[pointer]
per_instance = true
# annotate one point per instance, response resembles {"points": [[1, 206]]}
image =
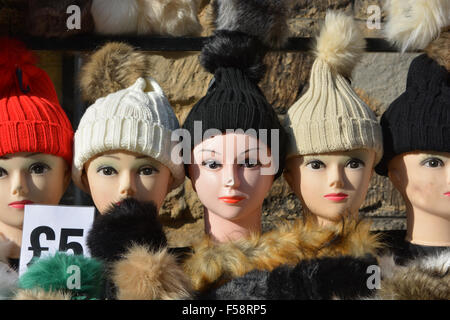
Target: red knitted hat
{"points": [[31, 119]]}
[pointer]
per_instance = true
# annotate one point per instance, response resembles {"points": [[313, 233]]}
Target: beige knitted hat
{"points": [[137, 119], [330, 116]]}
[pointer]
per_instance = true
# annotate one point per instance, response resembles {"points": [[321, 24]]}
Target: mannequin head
{"points": [[227, 175], [423, 180], [116, 175], [317, 179]]}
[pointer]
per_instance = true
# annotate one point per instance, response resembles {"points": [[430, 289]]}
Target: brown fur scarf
{"points": [[213, 264]]}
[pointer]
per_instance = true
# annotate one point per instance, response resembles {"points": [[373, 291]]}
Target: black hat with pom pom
{"points": [[234, 100]]}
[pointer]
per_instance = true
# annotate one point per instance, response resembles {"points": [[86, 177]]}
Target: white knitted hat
{"points": [[330, 116], [135, 119]]}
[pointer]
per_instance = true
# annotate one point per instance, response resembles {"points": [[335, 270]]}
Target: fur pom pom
{"points": [[113, 67], [413, 24], [115, 16], [39, 294], [51, 274], [130, 222], [8, 281], [439, 50], [146, 275], [265, 19], [169, 17], [13, 55], [340, 43], [234, 49]]}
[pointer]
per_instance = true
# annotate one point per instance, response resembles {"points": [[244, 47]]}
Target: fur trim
{"points": [[146, 275], [51, 274], [427, 278], [175, 18], [130, 222], [115, 16], [8, 281], [113, 67], [40, 294], [265, 19], [439, 50], [162, 17], [5, 249], [213, 264], [340, 43], [234, 49], [413, 24]]}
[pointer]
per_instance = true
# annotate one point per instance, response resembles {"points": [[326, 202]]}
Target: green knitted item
{"points": [[53, 273]]}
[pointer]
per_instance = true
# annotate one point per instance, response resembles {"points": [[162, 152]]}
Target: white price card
{"points": [[48, 229]]}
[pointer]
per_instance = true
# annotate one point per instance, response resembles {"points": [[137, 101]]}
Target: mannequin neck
{"points": [[224, 230], [323, 222], [15, 236], [426, 229]]}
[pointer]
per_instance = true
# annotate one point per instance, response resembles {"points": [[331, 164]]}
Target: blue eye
{"points": [[107, 171], [211, 164], [251, 163], [315, 164], [355, 163], [432, 163], [39, 168]]}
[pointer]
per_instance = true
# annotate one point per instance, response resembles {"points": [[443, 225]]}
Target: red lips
{"points": [[20, 204], [234, 199], [336, 196], [447, 194]]}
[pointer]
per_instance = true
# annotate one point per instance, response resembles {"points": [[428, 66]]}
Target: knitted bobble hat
{"points": [[137, 118], [419, 119], [330, 116], [234, 100], [31, 119]]}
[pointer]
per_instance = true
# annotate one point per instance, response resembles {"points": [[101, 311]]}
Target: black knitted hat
{"points": [[234, 100], [419, 119]]}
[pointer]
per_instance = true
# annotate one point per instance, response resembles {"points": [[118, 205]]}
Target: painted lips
{"points": [[231, 199], [336, 196], [20, 204], [447, 194]]}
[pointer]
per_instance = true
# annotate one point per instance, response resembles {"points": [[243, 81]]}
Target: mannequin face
{"points": [[331, 184], [226, 174], [115, 175], [423, 179], [27, 177]]}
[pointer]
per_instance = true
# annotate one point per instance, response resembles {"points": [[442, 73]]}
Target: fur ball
{"points": [[413, 24], [8, 281], [175, 18], [234, 49], [265, 19], [115, 16], [51, 274], [123, 225], [113, 67], [439, 50], [340, 43], [40, 294], [144, 274], [48, 18]]}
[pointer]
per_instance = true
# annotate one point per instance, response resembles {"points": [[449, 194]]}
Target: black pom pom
{"points": [[130, 222], [234, 49]]}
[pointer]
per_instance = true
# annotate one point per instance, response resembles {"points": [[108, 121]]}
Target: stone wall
{"points": [[379, 78]]}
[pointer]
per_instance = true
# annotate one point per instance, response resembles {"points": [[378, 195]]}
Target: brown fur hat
{"points": [[113, 67], [439, 49], [213, 264], [427, 278], [143, 274]]}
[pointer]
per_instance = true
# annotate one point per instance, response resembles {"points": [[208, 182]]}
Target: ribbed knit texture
{"points": [[236, 102], [330, 117], [130, 119], [419, 119], [31, 118]]}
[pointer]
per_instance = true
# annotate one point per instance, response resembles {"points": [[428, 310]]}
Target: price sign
{"points": [[47, 229]]}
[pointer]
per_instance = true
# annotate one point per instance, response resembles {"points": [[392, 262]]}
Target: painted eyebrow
{"points": [[108, 156], [213, 151], [249, 150]]}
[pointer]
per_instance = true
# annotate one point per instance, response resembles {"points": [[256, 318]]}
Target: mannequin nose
{"points": [[336, 177], [230, 177], [127, 185], [19, 184]]}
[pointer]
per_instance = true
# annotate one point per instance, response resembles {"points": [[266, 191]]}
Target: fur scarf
{"points": [[211, 264]]}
